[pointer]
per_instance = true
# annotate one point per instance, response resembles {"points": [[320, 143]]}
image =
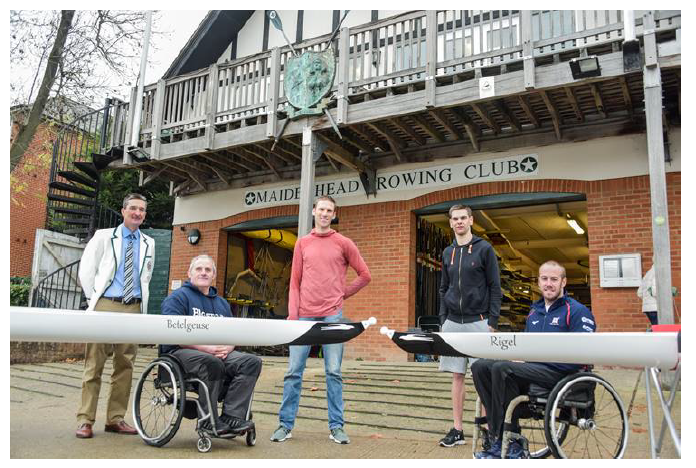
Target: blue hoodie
{"points": [[189, 300], [565, 315]]}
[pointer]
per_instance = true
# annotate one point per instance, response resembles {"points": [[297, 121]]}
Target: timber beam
{"points": [[226, 160], [262, 158], [599, 103], [500, 106], [187, 174], [627, 96], [277, 152], [429, 129], [365, 135], [524, 104], [394, 141], [356, 141], [574, 104], [483, 114], [471, 128], [555, 118], [441, 117], [253, 161], [342, 155], [407, 129], [152, 176]]}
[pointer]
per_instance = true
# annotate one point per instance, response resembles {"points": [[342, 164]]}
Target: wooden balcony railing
{"points": [[397, 51]]}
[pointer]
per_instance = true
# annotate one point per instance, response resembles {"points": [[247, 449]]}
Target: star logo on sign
{"points": [[529, 164], [250, 198]]}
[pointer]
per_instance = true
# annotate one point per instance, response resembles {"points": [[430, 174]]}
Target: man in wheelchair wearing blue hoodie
{"points": [[214, 364]]}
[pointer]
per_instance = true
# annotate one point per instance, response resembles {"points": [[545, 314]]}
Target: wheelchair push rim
{"points": [[597, 430], [158, 406]]}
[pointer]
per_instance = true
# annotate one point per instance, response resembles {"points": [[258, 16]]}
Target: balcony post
{"points": [[527, 48], [130, 124], [273, 93], [431, 57], [343, 76], [157, 120], [211, 105], [652, 85]]}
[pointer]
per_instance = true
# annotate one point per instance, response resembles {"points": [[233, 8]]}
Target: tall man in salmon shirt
{"points": [[317, 291]]}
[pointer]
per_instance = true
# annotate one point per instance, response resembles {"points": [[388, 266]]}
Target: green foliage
{"points": [[115, 185], [19, 290]]}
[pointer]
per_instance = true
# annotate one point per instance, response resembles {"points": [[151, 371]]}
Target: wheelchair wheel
{"points": [[251, 435], [533, 431], [204, 444], [159, 401], [596, 425]]}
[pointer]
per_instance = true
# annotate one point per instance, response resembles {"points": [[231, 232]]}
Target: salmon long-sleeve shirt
{"points": [[317, 281]]}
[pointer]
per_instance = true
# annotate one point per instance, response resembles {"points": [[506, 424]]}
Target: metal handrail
{"points": [[60, 290]]}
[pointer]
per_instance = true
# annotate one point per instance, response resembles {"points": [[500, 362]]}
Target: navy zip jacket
{"points": [[565, 315], [470, 284], [189, 300]]}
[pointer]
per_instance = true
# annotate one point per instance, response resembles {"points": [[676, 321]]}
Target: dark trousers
{"points": [[240, 369], [499, 382], [652, 316]]}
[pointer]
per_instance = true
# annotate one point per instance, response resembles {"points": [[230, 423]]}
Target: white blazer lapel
{"points": [[144, 252], [116, 244]]}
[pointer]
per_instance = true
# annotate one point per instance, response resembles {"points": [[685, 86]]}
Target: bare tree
{"points": [[84, 56]]}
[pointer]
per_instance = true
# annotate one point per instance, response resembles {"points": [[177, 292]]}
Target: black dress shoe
{"points": [[237, 425]]}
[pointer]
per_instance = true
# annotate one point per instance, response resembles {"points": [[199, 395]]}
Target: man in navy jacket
{"points": [[214, 364], [499, 382]]}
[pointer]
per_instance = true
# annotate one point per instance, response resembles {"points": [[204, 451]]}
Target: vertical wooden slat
{"points": [[232, 98], [396, 48], [129, 123], [211, 105], [431, 64], [274, 89], [385, 56], [527, 48], [343, 75], [157, 119]]}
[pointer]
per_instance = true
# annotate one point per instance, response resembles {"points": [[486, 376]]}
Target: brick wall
{"points": [[619, 221], [385, 233], [29, 186]]}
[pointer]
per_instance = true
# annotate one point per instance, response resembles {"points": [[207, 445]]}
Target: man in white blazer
{"points": [[115, 272]]}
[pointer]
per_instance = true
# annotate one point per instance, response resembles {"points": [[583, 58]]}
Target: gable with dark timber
{"points": [[215, 33]]}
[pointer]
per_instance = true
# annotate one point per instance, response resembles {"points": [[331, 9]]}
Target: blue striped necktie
{"points": [[128, 271]]}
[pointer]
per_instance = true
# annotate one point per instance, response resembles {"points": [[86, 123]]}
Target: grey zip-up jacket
{"points": [[470, 285]]}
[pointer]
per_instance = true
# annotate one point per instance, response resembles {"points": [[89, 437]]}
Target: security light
{"points": [[194, 235], [585, 67]]}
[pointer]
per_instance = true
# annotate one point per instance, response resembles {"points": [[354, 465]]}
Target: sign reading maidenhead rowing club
{"points": [[524, 165]]}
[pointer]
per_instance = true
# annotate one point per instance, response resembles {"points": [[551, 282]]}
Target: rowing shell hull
{"points": [[618, 349], [63, 326]]}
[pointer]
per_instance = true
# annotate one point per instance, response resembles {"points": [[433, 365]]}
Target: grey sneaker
{"points": [[339, 436], [281, 434]]}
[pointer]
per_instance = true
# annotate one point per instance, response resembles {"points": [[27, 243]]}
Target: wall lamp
{"points": [[585, 67], [574, 224], [193, 236]]}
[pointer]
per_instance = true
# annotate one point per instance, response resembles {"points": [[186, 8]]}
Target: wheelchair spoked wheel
{"points": [[533, 431], [158, 405], [251, 435], [596, 425]]}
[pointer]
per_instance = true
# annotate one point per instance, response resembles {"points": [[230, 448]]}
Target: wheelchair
{"points": [[161, 401], [582, 416]]}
